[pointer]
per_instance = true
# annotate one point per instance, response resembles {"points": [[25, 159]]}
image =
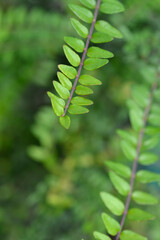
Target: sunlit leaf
{"points": [[81, 12], [119, 168], [136, 120], [145, 176], [69, 71], [148, 158], [61, 90], [129, 235], [144, 198], [112, 203], [98, 37], [119, 183], [105, 27], [64, 80], [112, 226], [65, 121], [130, 137], [75, 109], [92, 63], [136, 214], [72, 57], [96, 52], [101, 236], [77, 44], [89, 80], [89, 3], [80, 101], [128, 150], [111, 6], [82, 90], [80, 28], [57, 104]]}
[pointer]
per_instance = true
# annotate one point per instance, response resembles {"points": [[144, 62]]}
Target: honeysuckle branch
{"points": [[135, 164], [83, 56]]}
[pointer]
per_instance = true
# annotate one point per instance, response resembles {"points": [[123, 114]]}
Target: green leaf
{"points": [[65, 121], [119, 168], [81, 101], [120, 184], [144, 176], [154, 119], [148, 158], [136, 120], [75, 109], [112, 226], [58, 104], [77, 44], [144, 198], [92, 63], [96, 52], [129, 235], [128, 150], [64, 80], [61, 90], [111, 7], [151, 142], [136, 214], [80, 28], [82, 90], [112, 203], [152, 130], [81, 12], [133, 105], [72, 57], [98, 37], [101, 236], [141, 95], [89, 3], [89, 80], [105, 27], [69, 71], [128, 136]]}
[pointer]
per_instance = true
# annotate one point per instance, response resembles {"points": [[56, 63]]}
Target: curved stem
{"points": [[83, 56], [135, 164]]}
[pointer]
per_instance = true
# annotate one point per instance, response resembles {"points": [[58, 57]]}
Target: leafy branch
{"points": [[97, 57]]}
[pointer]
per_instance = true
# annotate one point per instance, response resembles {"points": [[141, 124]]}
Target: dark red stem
{"points": [[135, 164], [83, 56]]}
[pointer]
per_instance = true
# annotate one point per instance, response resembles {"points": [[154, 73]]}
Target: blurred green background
{"points": [[50, 177]]}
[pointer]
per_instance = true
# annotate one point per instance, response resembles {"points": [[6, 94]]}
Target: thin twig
{"points": [[83, 56], [135, 164]]}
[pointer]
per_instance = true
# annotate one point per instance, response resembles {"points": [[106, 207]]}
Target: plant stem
{"points": [[135, 164], [83, 56]]}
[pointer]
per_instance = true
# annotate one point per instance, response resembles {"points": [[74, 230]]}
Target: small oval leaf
{"points": [[82, 90], [96, 52], [119, 168], [111, 7], [120, 184], [65, 121], [136, 214], [144, 198], [112, 226], [98, 37], [72, 57], [77, 44], [92, 63], [80, 28], [64, 80], [105, 27], [75, 109], [80, 101], [61, 90], [89, 80], [81, 12], [69, 71]]}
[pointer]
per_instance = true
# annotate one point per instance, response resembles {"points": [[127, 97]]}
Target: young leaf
{"points": [[112, 226], [65, 121], [69, 71], [105, 27], [81, 12], [127, 136], [64, 80], [82, 90], [144, 198], [75, 109], [144, 176], [89, 80], [98, 37], [81, 101], [72, 57], [96, 52], [112, 203], [129, 235], [77, 44], [136, 214], [89, 3], [120, 184], [119, 168], [128, 150], [62, 91], [111, 7], [80, 28], [57, 104], [101, 236], [92, 63], [148, 158]]}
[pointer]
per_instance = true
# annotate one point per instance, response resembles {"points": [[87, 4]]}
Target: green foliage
{"points": [[97, 57]]}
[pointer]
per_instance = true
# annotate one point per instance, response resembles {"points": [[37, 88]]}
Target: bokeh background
{"points": [[50, 177]]}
